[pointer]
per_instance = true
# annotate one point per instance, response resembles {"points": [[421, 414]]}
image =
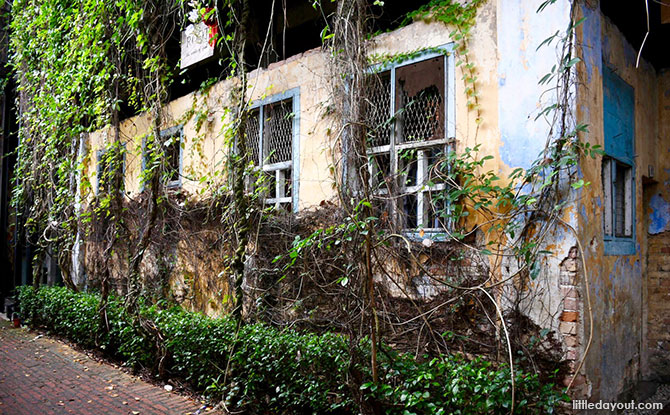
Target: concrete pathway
{"points": [[43, 376]]}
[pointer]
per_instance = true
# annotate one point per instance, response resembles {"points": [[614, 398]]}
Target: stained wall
{"points": [[504, 48], [617, 283]]}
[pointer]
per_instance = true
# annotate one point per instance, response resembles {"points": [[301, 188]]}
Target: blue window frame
{"points": [[172, 142], [618, 165]]}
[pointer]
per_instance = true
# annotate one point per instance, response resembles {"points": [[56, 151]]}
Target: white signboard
{"points": [[195, 44]]}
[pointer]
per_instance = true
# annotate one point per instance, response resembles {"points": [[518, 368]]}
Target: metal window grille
{"points": [[405, 114], [253, 132], [270, 129], [278, 132], [378, 110]]}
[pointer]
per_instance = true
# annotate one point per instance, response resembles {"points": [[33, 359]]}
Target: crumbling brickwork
{"points": [[571, 322], [658, 318]]}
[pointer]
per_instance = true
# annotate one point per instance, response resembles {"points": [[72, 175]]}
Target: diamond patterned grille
{"points": [[378, 109], [279, 132], [408, 178], [421, 115], [253, 131]]}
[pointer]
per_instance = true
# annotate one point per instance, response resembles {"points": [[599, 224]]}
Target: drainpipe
{"points": [[78, 275]]}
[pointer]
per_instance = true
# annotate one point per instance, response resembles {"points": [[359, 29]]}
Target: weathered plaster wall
{"points": [[522, 65], [205, 149], [551, 299], [616, 282], [656, 366], [503, 47]]}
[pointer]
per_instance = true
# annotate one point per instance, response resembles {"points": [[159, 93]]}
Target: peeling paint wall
{"points": [[503, 46], [657, 202], [552, 300], [617, 283], [522, 65], [204, 149]]}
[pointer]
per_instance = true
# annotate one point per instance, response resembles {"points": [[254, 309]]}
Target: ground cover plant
{"points": [[258, 368]]}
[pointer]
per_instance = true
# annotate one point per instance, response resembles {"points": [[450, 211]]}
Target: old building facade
{"points": [[604, 285]]}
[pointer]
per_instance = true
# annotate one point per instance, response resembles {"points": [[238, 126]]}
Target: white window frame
{"points": [[170, 133], [609, 173], [278, 169], [394, 148]]}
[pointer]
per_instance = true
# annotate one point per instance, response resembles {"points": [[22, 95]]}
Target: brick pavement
{"points": [[42, 376]]}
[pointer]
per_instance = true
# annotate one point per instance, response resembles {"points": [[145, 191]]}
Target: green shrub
{"points": [[77, 317], [261, 369], [451, 384]]}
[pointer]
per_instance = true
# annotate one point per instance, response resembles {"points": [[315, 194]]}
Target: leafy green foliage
{"points": [[76, 62], [453, 385], [256, 367], [261, 369]]}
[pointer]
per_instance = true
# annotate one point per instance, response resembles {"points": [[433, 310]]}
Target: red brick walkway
{"points": [[46, 377]]}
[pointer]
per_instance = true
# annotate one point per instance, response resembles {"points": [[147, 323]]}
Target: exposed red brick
{"points": [[570, 304], [569, 316]]}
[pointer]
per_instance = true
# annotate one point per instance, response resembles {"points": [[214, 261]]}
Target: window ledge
{"points": [[620, 246], [432, 234]]}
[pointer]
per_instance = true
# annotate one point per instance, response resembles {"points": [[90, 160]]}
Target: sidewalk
{"points": [[40, 376]]}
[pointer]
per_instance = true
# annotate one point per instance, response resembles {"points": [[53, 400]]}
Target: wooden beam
{"points": [[665, 14]]}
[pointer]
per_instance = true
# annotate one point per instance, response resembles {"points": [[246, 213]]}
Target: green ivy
{"points": [[257, 368]]}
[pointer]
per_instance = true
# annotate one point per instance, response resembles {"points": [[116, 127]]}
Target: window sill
{"points": [[620, 246], [432, 234]]}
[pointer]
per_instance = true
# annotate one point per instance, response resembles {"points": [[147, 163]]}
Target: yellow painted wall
{"points": [[204, 150], [503, 48]]}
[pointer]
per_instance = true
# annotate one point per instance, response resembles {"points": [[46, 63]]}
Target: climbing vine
{"points": [[84, 65]]}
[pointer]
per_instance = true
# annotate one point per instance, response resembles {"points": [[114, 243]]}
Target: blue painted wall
{"points": [[520, 31]]}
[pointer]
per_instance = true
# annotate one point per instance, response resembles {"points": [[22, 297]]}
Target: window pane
{"points": [[408, 165], [381, 171], [377, 107], [435, 214], [253, 131], [278, 132], [419, 100], [172, 158], [270, 185], [288, 183], [436, 166], [622, 201], [410, 211], [607, 192]]}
